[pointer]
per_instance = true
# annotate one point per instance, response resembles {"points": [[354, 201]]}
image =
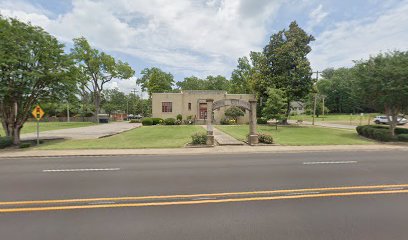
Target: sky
{"points": [[206, 37]]}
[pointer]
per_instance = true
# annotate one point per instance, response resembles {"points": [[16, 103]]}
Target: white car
{"points": [[384, 120]]}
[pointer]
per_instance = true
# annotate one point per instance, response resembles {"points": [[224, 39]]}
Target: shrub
{"points": [[401, 131], [147, 122], [179, 117], [188, 122], [178, 122], [170, 121], [5, 142], [378, 133], [135, 121], [224, 121], [199, 138], [157, 121], [403, 137], [265, 138], [261, 121], [25, 145]]}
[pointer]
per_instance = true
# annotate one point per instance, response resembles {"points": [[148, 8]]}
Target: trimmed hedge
{"points": [[261, 121], [157, 121], [147, 122], [375, 132], [5, 142], [403, 137], [179, 117], [170, 121], [199, 138]]}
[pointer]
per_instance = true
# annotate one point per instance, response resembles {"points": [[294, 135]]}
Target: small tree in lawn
{"points": [[98, 69], [275, 107], [234, 113], [383, 83]]}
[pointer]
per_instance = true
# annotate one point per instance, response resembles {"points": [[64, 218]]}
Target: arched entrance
{"points": [[250, 106]]}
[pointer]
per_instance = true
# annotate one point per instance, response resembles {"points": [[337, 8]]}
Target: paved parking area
{"points": [[90, 132]]}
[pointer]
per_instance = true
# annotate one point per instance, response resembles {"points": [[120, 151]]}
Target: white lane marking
{"points": [[203, 198], [301, 193], [336, 162], [81, 170], [393, 188], [101, 202]]}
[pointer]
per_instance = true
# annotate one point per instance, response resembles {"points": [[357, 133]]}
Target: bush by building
{"points": [[157, 121], [170, 121], [179, 117], [147, 121]]}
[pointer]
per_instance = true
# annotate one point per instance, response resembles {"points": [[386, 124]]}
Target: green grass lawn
{"points": [[30, 127], [296, 135], [346, 119], [143, 137]]}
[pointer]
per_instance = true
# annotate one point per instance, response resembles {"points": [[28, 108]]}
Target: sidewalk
{"points": [[90, 132], [193, 151], [222, 138]]}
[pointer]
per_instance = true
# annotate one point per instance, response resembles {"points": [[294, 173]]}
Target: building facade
{"points": [[193, 103]]}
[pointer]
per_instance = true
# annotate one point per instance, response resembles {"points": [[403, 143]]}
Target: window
{"points": [[167, 107], [189, 106]]}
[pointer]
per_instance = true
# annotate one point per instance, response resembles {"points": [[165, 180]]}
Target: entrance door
{"points": [[202, 111]]}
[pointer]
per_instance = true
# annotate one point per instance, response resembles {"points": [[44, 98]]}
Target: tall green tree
{"points": [[33, 69], [275, 106], [99, 69], [287, 67], [383, 84], [192, 83], [240, 77], [217, 83], [114, 101], [154, 80]]}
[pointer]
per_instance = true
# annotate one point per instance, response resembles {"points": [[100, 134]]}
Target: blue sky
{"points": [[205, 37]]}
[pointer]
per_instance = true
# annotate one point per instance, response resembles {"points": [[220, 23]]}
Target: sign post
{"points": [[38, 113]]}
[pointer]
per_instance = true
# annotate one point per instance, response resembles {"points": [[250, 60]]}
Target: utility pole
{"points": [[315, 99], [68, 120]]}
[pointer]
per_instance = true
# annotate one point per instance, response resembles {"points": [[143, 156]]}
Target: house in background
{"points": [[297, 107], [193, 103]]}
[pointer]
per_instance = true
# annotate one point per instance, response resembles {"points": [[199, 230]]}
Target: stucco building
{"points": [[193, 103]]}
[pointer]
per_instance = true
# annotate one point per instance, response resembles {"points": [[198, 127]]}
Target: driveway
{"points": [[90, 132]]}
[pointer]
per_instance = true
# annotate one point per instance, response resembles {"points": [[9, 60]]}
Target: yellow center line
{"points": [[200, 202], [198, 195]]}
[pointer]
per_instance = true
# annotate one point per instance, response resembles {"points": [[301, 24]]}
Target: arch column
{"points": [[253, 136], [210, 133]]}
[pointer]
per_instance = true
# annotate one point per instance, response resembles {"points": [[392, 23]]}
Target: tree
{"points": [[33, 69], [275, 106], [338, 85], [154, 80], [234, 113], [99, 68], [287, 67], [113, 101], [239, 82], [383, 84], [192, 83], [217, 83]]}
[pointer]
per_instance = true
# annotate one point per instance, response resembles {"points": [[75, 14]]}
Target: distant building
{"points": [[297, 107], [193, 103]]}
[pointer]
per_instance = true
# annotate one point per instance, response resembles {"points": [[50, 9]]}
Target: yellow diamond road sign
{"points": [[37, 112]]}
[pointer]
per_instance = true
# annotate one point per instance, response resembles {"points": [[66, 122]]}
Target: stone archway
{"points": [[250, 106]]}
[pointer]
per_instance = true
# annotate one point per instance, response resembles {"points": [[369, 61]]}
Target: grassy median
{"points": [[143, 137], [298, 135]]}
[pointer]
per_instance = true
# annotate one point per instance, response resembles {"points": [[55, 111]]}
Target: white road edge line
{"points": [[336, 162], [393, 188], [301, 193], [81, 170], [203, 198]]}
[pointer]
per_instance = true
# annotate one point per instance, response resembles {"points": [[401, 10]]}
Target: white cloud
{"points": [[358, 39], [316, 17]]}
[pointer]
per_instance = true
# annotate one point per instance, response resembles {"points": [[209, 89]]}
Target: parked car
{"points": [[384, 120]]}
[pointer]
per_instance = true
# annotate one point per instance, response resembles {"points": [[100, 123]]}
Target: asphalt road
{"points": [[376, 210]]}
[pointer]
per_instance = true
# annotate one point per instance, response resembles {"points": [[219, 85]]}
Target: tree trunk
{"points": [[285, 120], [97, 105], [16, 134]]}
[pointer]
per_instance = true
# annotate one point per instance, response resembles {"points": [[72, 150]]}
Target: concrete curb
{"points": [[199, 151]]}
